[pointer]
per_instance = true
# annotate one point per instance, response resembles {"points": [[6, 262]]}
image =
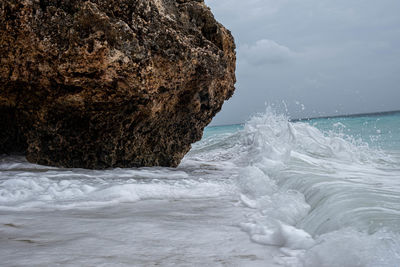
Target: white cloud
{"points": [[263, 52]]}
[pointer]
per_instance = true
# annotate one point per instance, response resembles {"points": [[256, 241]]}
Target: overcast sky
{"points": [[321, 57]]}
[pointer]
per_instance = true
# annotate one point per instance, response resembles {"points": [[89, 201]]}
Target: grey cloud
{"points": [[264, 51], [343, 55]]}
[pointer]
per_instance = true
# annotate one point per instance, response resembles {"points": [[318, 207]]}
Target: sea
{"points": [[269, 192]]}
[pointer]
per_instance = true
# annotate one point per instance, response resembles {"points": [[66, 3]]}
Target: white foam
{"points": [[306, 187], [348, 248], [26, 191]]}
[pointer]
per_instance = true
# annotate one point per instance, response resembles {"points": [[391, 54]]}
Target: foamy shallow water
{"points": [[269, 193]]}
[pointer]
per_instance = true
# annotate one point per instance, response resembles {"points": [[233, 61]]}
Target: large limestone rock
{"points": [[110, 83]]}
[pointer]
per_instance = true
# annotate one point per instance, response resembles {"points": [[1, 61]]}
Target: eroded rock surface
{"points": [[110, 83]]}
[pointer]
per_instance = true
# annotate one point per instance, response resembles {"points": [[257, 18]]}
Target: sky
{"points": [[309, 58]]}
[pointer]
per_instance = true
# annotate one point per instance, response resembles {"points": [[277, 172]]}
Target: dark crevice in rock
{"points": [[12, 140]]}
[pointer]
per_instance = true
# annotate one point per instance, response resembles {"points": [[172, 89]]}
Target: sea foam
{"points": [[313, 192]]}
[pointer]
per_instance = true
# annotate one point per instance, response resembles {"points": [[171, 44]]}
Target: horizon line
{"points": [[379, 113]]}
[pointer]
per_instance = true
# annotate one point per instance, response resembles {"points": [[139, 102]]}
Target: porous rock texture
{"points": [[110, 83]]}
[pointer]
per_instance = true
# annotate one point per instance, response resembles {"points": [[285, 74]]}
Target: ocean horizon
{"points": [[345, 115]]}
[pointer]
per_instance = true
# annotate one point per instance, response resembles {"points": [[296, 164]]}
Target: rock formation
{"points": [[110, 83]]}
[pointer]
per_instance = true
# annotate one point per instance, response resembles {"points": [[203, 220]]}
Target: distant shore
{"points": [[370, 114]]}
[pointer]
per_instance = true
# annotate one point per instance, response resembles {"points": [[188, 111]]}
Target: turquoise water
{"points": [[379, 131], [223, 129]]}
